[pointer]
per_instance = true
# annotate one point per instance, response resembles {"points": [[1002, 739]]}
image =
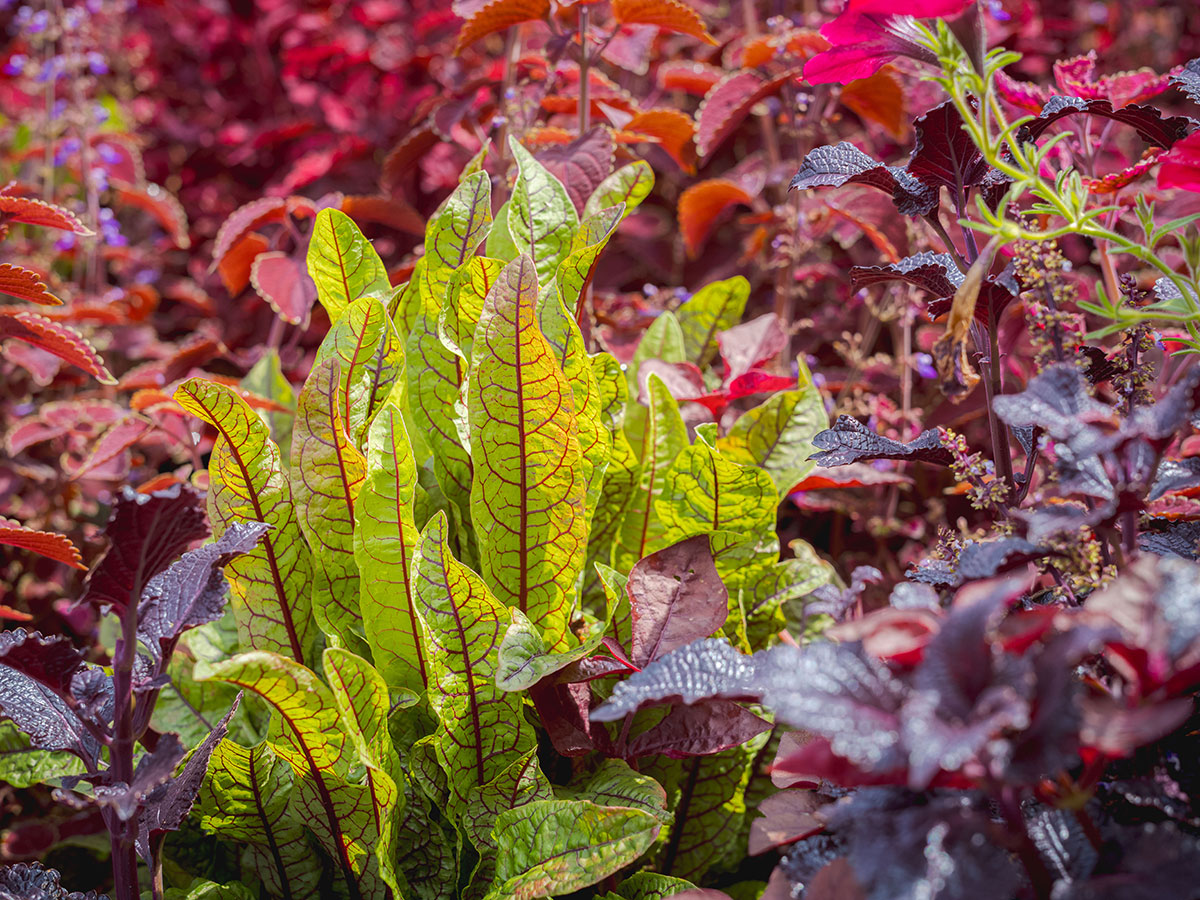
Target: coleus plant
{"points": [[475, 530]]}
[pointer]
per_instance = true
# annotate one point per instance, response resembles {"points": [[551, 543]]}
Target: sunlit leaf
{"points": [[541, 217], [343, 264], [714, 308]]}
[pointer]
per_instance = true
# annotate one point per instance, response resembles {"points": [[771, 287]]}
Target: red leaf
{"points": [[196, 350], [850, 476], [112, 444], [879, 99], [25, 284], [390, 211], [695, 78], [44, 543], [404, 156], [701, 204], [163, 206], [750, 344], [497, 16], [60, 340], [284, 284], [37, 212], [674, 130], [669, 15], [236, 264], [729, 102], [582, 164], [246, 218]]}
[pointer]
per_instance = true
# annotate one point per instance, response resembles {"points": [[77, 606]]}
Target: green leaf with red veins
{"points": [[614, 783], [385, 538], [663, 340], [466, 290], [663, 438], [707, 796], [327, 472], [266, 379], [269, 586], [711, 310], [456, 230], [704, 491], [245, 798], [363, 701], [552, 847], [309, 733], [620, 476], [558, 326], [542, 220], [436, 381], [521, 783], [528, 499], [500, 243], [405, 304], [370, 362], [630, 185], [425, 852], [592, 237], [652, 886], [482, 729], [777, 435], [343, 264]]}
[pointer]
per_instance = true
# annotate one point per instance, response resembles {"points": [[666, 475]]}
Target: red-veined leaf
{"points": [[59, 340], [57, 547], [669, 15]]}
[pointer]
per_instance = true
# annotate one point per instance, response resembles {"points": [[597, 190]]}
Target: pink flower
{"points": [[870, 33], [1181, 165]]}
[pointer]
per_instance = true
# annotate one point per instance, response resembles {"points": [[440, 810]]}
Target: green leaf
{"points": [[245, 800], [663, 438], [201, 889], [457, 229], [362, 700], [405, 303], [711, 310], [22, 765], [650, 886], [524, 658], [541, 217], [614, 783], [773, 594], [436, 379], [620, 476], [662, 340], [707, 797], [310, 734], [425, 852], [385, 538], [370, 362], [529, 494], [777, 435], [327, 471], [704, 491], [482, 730], [466, 290], [269, 586], [552, 847], [589, 241], [266, 379], [630, 185], [343, 264], [500, 244]]}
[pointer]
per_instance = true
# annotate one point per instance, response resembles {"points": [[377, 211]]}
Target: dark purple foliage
{"points": [[850, 441]]}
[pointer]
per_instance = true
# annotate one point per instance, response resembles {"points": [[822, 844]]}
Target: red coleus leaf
{"points": [[112, 445], [729, 102], [284, 283], [582, 164], [497, 16], [701, 204], [1077, 78], [59, 340], [44, 543], [246, 219], [674, 131], [390, 211], [25, 284], [1181, 165], [695, 78], [879, 98], [1148, 122], [162, 205], [861, 43], [669, 15], [37, 212], [849, 476], [196, 350], [237, 263]]}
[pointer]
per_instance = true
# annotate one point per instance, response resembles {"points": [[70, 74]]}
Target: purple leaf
{"points": [[582, 164], [706, 727], [676, 597], [53, 661], [167, 807], [1147, 121], [944, 154], [1175, 475], [981, 559], [153, 771], [192, 591], [840, 164], [1155, 860], [836, 602], [1177, 539], [1188, 80], [850, 441], [750, 344], [1057, 400], [563, 709], [786, 818], [146, 531], [933, 272], [31, 881]]}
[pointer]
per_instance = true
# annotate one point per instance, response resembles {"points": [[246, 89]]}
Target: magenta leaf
{"points": [[706, 727], [147, 532], [676, 597], [746, 346]]}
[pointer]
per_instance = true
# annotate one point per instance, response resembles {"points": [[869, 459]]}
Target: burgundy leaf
{"points": [[677, 597], [582, 164], [1057, 400], [750, 344], [839, 164], [1148, 122], [698, 730], [153, 771], [146, 532], [850, 441], [1188, 79], [944, 154], [563, 709], [284, 283], [786, 818], [729, 102]]}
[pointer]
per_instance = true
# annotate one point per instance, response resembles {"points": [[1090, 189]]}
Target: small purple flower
{"points": [[72, 19], [38, 22], [102, 113], [100, 179], [64, 243], [96, 63], [108, 153], [925, 365], [57, 110], [15, 64], [66, 150], [94, 6]]}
